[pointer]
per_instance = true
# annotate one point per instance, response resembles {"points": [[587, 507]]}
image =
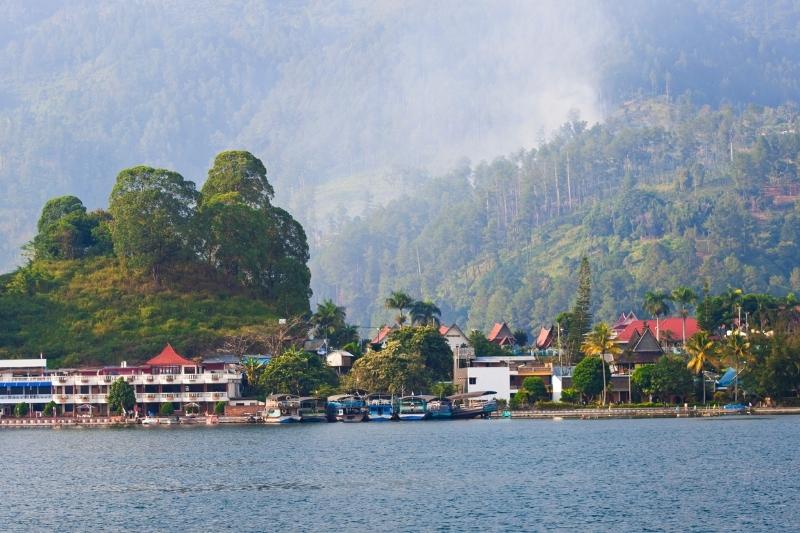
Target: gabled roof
{"points": [[545, 338], [382, 334], [672, 326], [642, 348], [452, 329], [623, 321], [169, 357], [501, 334]]}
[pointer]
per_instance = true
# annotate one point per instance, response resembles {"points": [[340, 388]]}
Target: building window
{"points": [[473, 381]]}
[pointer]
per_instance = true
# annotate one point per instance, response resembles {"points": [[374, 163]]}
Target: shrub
{"points": [[536, 388], [219, 408], [166, 409], [557, 406], [570, 395], [21, 409], [50, 409]]}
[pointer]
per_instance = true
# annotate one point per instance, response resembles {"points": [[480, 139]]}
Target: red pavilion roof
{"points": [[169, 357], [674, 325]]}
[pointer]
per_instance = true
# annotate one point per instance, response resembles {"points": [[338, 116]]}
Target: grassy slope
{"points": [[92, 313]]}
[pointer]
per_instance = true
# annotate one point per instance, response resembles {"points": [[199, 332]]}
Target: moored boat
{"points": [[312, 409], [440, 408], [347, 408], [381, 407], [414, 407], [473, 404], [282, 409]]}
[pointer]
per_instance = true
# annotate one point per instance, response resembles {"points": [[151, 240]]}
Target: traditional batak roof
{"points": [[642, 348], [624, 321], [501, 334], [169, 357], [545, 338], [672, 326]]}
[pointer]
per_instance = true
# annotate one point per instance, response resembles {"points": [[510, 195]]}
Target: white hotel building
{"points": [[166, 378]]}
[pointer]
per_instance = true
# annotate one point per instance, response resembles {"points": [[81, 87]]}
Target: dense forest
{"points": [[348, 104], [660, 195], [165, 263]]}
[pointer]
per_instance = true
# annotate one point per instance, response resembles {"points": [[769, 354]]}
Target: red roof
{"points": [[501, 334], [673, 325], [169, 357], [545, 339], [382, 334], [443, 330]]}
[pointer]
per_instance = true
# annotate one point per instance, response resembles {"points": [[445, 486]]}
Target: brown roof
{"points": [[501, 334], [169, 357], [545, 338]]}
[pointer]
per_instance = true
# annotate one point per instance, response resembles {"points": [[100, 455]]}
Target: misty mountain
{"points": [[659, 196], [347, 103]]}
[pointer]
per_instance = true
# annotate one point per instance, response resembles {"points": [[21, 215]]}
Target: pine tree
{"points": [[581, 313]]}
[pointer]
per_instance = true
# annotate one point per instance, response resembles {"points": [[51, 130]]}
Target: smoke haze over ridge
{"points": [[318, 91]]}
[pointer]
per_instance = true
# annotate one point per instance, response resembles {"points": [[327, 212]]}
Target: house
{"points": [[501, 335], [463, 354], [340, 361], [668, 331], [546, 338], [505, 374], [623, 321], [317, 346], [379, 340]]}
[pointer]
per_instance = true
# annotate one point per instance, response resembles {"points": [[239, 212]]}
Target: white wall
{"points": [[496, 378]]}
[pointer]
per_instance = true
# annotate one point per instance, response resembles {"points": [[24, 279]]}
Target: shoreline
{"points": [[574, 414]]}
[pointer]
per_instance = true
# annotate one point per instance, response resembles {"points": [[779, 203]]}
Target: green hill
{"points": [[89, 312], [165, 263], [660, 195]]}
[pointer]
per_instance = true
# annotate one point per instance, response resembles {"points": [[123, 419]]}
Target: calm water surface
{"points": [[629, 475]]}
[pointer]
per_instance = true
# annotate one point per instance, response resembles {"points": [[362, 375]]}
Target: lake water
{"points": [[628, 475]]}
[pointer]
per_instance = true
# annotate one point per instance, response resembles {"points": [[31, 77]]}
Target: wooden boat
{"points": [[347, 408], [381, 407], [473, 404], [440, 408], [282, 409], [312, 409], [414, 407]]}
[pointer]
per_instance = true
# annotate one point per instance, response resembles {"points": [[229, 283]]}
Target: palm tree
{"points": [[426, 313], [252, 371], [685, 298], [657, 304], [737, 349], [702, 352], [400, 301], [328, 317], [600, 342]]}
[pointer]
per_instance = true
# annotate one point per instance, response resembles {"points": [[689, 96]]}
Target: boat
{"points": [[347, 408], [312, 409], [473, 404], [414, 407], [150, 420], [381, 407], [440, 408], [282, 409]]}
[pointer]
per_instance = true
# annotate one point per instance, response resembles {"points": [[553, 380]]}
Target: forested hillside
{"points": [[165, 263], [659, 195], [347, 103]]}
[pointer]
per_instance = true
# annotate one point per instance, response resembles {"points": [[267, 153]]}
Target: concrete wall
{"points": [[496, 378]]}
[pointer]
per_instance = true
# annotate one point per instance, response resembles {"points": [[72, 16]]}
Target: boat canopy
{"points": [[339, 397], [424, 397], [473, 394], [282, 397]]}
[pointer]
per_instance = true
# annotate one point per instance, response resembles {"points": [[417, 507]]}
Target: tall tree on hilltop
{"points": [[599, 343], [151, 210], [400, 301], [241, 172], [657, 304], [685, 298], [425, 313], [581, 315]]}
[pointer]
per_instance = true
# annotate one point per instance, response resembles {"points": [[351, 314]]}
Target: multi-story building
{"points": [[166, 378]]}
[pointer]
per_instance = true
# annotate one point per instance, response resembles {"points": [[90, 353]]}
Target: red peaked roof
{"points": [[443, 330], [673, 325], [545, 338], [382, 334], [501, 334], [169, 357]]}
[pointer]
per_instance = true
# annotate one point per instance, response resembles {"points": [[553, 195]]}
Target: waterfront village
{"points": [[169, 385]]}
